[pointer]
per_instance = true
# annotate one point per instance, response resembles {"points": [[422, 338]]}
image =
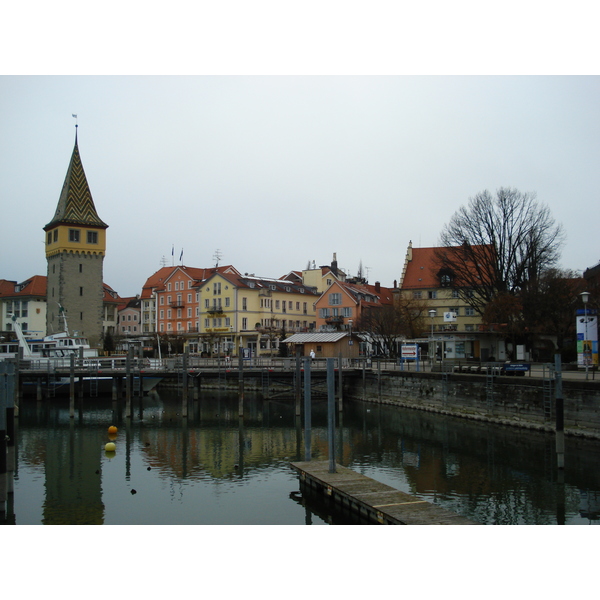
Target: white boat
{"points": [[54, 351], [58, 345]]}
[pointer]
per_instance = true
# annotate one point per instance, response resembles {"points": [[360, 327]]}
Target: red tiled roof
{"points": [[35, 286], [422, 271], [109, 295], [159, 279]]}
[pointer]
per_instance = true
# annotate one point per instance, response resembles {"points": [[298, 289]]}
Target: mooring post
{"points": [[3, 474], [364, 378], [184, 401], [298, 381], [241, 382], [340, 386], [331, 412], [560, 414], [128, 361], [3, 405], [72, 386], [307, 410], [80, 363]]}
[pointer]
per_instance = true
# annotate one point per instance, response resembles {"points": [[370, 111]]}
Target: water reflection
{"points": [[215, 467]]}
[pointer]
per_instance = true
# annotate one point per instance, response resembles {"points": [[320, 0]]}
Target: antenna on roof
{"points": [[217, 257]]}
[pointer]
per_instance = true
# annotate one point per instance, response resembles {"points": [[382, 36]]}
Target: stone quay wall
{"points": [[521, 401]]}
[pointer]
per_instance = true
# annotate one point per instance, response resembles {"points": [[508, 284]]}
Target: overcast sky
{"points": [[276, 171]]}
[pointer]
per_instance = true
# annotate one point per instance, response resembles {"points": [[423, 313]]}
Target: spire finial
{"points": [[75, 117]]}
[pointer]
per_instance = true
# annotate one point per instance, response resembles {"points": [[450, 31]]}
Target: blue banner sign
{"points": [[517, 367]]}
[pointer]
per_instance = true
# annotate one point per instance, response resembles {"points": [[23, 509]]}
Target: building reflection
{"points": [[491, 474]]}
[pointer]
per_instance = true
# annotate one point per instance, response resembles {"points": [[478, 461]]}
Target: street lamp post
{"points": [[585, 296], [432, 314]]}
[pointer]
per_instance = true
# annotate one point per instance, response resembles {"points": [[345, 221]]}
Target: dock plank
{"points": [[381, 503]]}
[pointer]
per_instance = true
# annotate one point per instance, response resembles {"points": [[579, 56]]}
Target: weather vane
{"points": [[75, 117]]}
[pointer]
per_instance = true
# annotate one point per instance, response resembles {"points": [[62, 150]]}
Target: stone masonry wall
{"points": [[513, 400]]}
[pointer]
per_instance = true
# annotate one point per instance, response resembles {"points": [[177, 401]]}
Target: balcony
{"points": [[334, 320], [214, 311], [177, 304]]}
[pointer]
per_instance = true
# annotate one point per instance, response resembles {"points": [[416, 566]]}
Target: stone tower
{"points": [[75, 249]]}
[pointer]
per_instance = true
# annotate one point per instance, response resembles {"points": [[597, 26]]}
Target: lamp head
{"points": [[585, 296]]}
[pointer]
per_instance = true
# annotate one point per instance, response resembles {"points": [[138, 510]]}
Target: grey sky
{"points": [[276, 171]]}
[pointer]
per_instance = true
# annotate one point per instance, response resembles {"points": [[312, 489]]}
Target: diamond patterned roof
{"points": [[75, 204]]}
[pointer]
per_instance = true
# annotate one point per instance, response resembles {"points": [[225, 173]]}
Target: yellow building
{"points": [[322, 277], [454, 327], [253, 313]]}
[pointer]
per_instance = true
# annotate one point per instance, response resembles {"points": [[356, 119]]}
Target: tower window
{"points": [[81, 291], [56, 235], [74, 235], [49, 238], [80, 268], [92, 237]]}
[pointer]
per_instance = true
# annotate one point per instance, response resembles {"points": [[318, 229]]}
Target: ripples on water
{"points": [[215, 468]]}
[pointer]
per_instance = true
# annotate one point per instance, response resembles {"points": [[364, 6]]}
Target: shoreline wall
{"points": [[517, 401]]}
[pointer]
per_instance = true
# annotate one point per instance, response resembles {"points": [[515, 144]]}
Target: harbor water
{"points": [[214, 467]]}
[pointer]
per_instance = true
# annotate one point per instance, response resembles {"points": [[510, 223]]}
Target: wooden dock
{"points": [[372, 500]]}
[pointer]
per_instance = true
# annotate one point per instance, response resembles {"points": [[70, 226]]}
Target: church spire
{"points": [[75, 205]]}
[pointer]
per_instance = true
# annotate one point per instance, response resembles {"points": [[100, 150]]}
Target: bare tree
{"points": [[497, 244], [386, 325], [549, 305]]}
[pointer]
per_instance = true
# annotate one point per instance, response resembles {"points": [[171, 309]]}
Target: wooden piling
{"points": [[184, 399], [340, 385], [72, 386], [560, 413], [298, 382], [307, 411], [128, 361], [331, 413], [241, 382]]}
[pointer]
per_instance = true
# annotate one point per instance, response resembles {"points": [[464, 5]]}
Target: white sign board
{"points": [[449, 317], [410, 351]]}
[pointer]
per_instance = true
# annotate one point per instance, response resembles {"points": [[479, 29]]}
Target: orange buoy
{"points": [[112, 429]]}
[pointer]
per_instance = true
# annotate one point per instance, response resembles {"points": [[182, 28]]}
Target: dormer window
{"points": [[446, 277]]}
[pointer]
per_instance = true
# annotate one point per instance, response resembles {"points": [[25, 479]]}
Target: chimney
{"points": [[377, 287], [334, 264]]}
